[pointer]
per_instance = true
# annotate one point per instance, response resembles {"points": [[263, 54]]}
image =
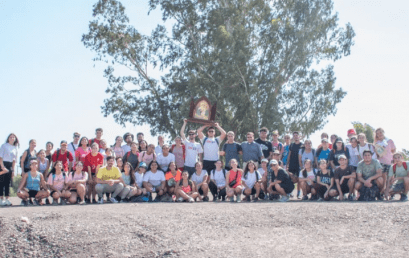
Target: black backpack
{"points": [[369, 194]]}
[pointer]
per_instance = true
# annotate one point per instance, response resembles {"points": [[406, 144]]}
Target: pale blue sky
{"points": [[51, 87]]}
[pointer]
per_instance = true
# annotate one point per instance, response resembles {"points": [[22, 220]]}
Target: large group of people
{"points": [[88, 171]]}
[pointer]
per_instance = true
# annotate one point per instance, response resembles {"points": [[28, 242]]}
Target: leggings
{"points": [[213, 189], [5, 180]]}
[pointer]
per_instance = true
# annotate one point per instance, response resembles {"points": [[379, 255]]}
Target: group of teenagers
{"points": [[185, 171]]}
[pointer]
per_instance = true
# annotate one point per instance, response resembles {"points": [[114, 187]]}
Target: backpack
{"points": [[224, 172], [303, 150], [26, 160], [173, 146], [58, 154], [255, 171], [205, 139], [369, 194], [405, 166], [63, 174]]}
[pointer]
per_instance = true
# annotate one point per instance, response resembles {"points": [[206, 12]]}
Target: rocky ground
{"points": [[263, 229]]}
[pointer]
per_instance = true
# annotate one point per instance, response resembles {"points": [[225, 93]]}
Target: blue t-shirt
{"points": [[232, 151], [285, 154], [251, 151], [324, 154]]}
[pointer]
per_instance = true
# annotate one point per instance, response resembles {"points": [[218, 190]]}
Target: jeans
{"points": [[105, 188]]}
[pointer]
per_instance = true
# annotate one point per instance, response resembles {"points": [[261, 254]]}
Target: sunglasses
{"points": [[76, 136], [191, 134], [211, 131]]}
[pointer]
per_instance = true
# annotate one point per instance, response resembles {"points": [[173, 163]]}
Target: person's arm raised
{"points": [[182, 130], [222, 131], [200, 132]]}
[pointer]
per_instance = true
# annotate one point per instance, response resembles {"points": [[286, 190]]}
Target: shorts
{"points": [[26, 170], [73, 190], [52, 192], [208, 165], [200, 191], [253, 191], [32, 193], [287, 188], [344, 186], [398, 187], [385, 168]]}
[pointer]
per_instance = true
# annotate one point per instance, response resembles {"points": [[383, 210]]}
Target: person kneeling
{"points": [[233, 181], [398, 178], [154, 181], [56, 183], [280, 182], [370, 181], [34, 181], [306, 179], [217, 184], [344, 177], [109, 180], [325, 180], [130, 188], [186, 190], [76, 184], [173, 176], [251, 181], [200, 180]]}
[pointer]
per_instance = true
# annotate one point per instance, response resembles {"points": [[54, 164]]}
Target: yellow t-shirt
{"points": [[105, 174]]}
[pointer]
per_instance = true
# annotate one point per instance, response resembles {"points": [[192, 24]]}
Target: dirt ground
{"points": [[263, 229]]}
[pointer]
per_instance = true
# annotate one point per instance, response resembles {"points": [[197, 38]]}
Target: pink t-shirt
{"points": [[80, 154], [57, 181], [119, 152], [388, 157], [144, 157], [76, 177]]}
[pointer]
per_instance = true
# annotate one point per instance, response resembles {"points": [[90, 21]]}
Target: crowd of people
{"points": [[88, 171]]}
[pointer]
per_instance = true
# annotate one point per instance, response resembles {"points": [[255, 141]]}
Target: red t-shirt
{"points": [[96, 141], [63, 158], [93, 162]]}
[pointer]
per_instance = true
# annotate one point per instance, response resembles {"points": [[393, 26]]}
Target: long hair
{"points": [[131, 172], [150, 165], [304, 171], [16, 142], [246, 169], [176, 167], [55, 164], [375, 138], [335, 148], [82, 138]]}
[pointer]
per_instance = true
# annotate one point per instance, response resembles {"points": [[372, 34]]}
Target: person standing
{"points": [[251, 150], [165, 158], [98, 137], [265, 144], [231, 149], [353, 151], [364, 145], [132, 156], [64, 156], [385, 148], [286, 149], [128, 138], [117, 147], [161, 141], [194, 151], [293, 164], [8, 157], [276, 144], [82, 151], [306, 153], [93, 161], [148, 156], [28, 155], [210, 145], [140, 137], [109, 180], [323, 152], [179, 150], [338, 150], [49, 146], [73, 146]]}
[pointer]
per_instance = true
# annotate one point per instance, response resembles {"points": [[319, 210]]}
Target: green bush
{"points": [[16, 183]]}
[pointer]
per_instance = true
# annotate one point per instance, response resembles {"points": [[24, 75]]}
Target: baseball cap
{"points": [[324, 140], [273, 162], [63, 142], [264, 160], [339, 140], [351, 131], [143, 165], [342, 156]]}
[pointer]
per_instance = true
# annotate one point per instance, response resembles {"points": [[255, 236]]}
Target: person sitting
{"points": [[109, 180], [217, 184], [306, 179], [140, 190], [186, 190], [280, 182], [132, 156], [251, 181], [233, 181], [263, 170], [154, 181], [369, 172], [148, 155], [173, 176], [325, 180], [130, 188], [398, 178], [56, 183], [344, 177], [35, 186], [76, 183], [200, 180]]}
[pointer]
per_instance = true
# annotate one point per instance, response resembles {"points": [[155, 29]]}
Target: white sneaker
{"points": [[101, 201], [113, 200], [180, 199], [7, 202], [191, 199], [2, 202]]}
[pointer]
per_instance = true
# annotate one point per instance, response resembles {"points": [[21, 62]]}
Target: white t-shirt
{"points": [[154, 179], [218, 177], [198, 179], [138, 179], [251, 178], [192, 151], [126, 148], [71, 149], [164, 161], [310, 175], [261, 171], [353, 154], [158, 150], [210, 148], [366, 147]]}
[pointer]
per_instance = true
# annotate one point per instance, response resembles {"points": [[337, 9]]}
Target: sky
{"points": [[51, 86]]}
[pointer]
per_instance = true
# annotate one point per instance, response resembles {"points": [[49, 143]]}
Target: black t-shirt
{"points": [[325, 178], [283, 177], [335, 154], [266, 147], [339, 172], [295, 149]]}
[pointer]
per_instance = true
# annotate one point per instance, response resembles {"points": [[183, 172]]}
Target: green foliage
{"points": [[405, 154], [253, 57], [366, 129], [16, 183]]}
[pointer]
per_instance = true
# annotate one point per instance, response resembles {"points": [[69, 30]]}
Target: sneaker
{"points": [[180, 199], [47, 202], [157, 198], [255, 199], [36, 203], [350, 198], [7, 202], [393, 197], [320, 199], [23, 203], [87, 201], [380, 197], [284, 199], [223, 199], [299, 195], [30, 203], [101, 201], [206, 199], [2, 203], [145, 199], [247, 199], [81, 203], [232, 199], [113, 200], [55, 202], [238, 198], [314, 197], [215, 198], [403, 197], [191, 199], [63, 202], [304, 198]]}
